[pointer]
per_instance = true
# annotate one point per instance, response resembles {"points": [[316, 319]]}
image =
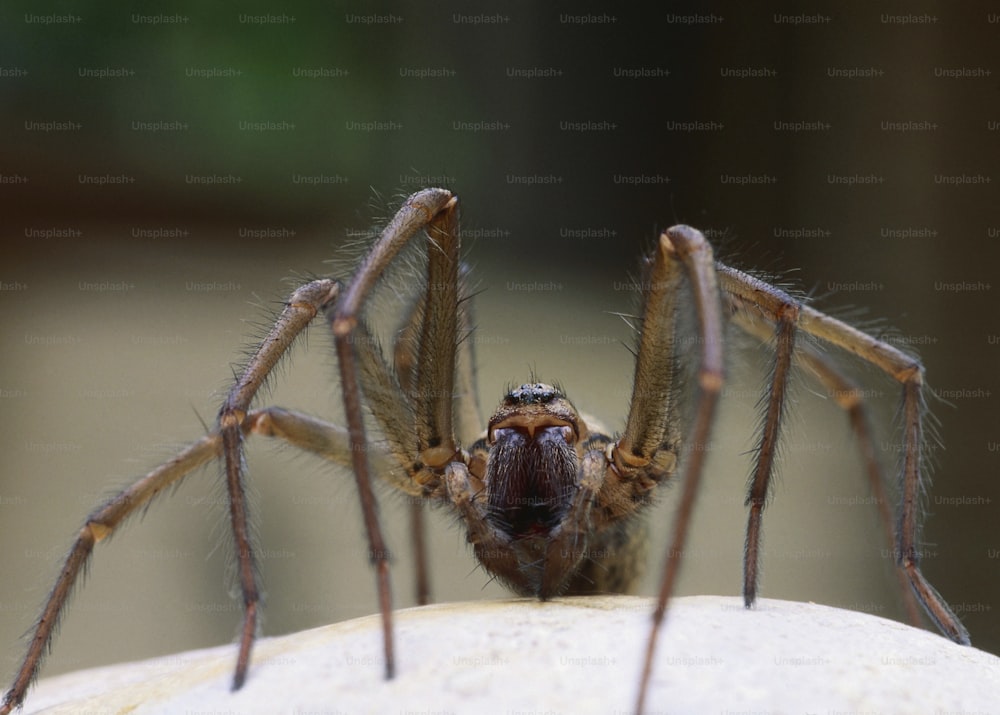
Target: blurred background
{"points": [[168, 175]]}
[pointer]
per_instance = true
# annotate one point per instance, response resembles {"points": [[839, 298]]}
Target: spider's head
{"points": [[534, 407], [533, 465]]}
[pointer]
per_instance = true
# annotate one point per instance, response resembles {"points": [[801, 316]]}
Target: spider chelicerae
{"points": [[549, 501]]}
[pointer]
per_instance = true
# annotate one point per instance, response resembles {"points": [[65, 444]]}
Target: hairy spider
{"points": [[548, 501]]}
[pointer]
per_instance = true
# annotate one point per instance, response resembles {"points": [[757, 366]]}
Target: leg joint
{"points": [[94, 531]]}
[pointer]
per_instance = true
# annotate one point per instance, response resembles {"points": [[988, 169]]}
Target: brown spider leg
{"points": [[431, 382], [98, 526], [910, 374], [648, 426], [433, 391], [399, 411], [402, 465], [306, 432], [404, 361], [311, 434], [468, 417], [468, 423], [847, 394], [300, 309], [569, 540], [680, 245], [420, 210], [418, 542], [783, 314]]}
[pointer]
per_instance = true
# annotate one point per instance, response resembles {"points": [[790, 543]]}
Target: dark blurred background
{"points": [[168, 174]]}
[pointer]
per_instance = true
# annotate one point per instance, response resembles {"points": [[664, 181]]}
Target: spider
{"points": [[549, 501]]}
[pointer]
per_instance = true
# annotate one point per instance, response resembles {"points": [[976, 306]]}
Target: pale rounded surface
{"points": [[574, 655]]}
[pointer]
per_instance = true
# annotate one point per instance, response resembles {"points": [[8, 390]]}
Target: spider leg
{"points": [[404, 362], [847, 394], [649, 425], [680, 246], [468, 422], [308, 433], [784, 338], [782, 311], [746, 291], [413, 404], [434, 209], [301, 308], [569, 542], [433, 391], [468, 417], [311, 434], [99, 525]]}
